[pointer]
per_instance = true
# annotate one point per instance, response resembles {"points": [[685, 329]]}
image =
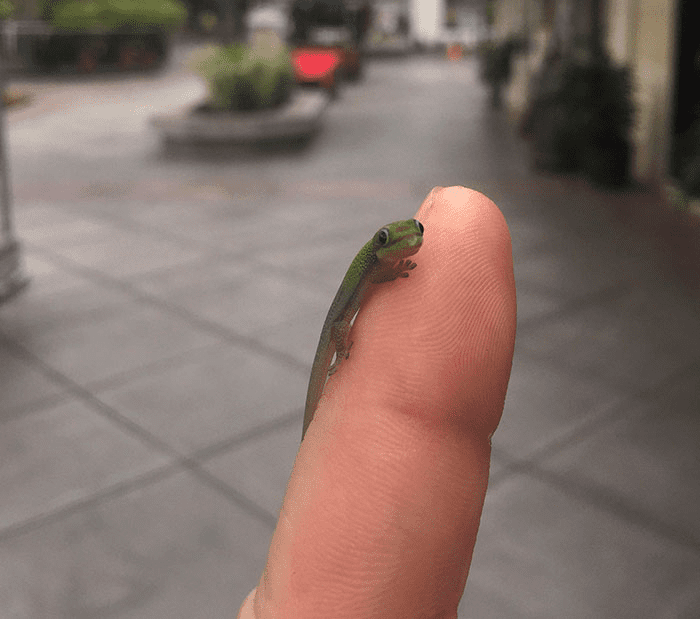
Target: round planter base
{"points": [[299, 118]]}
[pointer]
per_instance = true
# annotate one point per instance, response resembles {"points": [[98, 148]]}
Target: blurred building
{"points": [[427, 22], [657, 39]]}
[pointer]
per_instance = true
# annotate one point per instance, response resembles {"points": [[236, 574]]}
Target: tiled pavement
{"points": [[152, 376]]}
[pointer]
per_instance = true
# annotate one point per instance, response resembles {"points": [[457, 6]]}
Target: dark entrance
{"points": [[686, 105]]}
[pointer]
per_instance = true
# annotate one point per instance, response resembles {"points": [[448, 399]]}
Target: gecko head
{"points": [[398, 240]]}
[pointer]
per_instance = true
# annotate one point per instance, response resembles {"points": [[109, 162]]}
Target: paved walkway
{"points": [[153, 375]]}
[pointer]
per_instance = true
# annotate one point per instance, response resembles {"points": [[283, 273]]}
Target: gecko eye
{"points": [[420, 226], [383, 236]]}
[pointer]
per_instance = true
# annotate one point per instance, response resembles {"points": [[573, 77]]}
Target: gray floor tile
{"points": [[233, 294], [172, 550], [81, 231], [578, 265], [179, 281], [260, 467], [235, 226], [208, 397], [21, 385], [40, 216], [278, 235], [570, 274], [648, 459], [571, 203], [498, 462], [536, 304], [37, 311], [98, 350], [46, 277], [54, 457], [326, 261], [542, 554], [528, 231], [205, 225], [638, 337], [128, 253], [172, 215], [545, 404], [298, 337]]}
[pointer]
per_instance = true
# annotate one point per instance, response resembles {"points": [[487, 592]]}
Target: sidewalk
{"points": [[152, 376]]}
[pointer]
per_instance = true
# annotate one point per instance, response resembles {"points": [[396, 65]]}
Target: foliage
{"points": [[110, 15], [6, 9], [240, 78], [689, 154], [581, 117], [75, 15]]}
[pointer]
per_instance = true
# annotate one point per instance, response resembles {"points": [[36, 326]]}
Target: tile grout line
{"points": [[115, 381], [599, 497], [212, 451], [127, 224], [111, 382], [145, 437], [616, 413], [174, 310], [116, 490], [212, 251], [234, 496], [531, 466]]}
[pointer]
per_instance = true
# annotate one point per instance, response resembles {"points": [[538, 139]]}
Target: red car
{"points": [[324, 42]]}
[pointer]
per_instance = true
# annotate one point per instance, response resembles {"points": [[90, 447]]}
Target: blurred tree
{"points": [[6, 9]]}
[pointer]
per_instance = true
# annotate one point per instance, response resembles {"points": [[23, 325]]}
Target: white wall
{"points": [[641, 34], [427, 20], [621, 18]]}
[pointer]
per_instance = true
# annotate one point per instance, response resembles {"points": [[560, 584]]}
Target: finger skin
{"points": [[383, 506]]}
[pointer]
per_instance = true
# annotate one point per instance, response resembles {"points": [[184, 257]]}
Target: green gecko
{"points": [[382, 259]]}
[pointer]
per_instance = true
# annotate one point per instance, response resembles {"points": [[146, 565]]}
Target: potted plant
{"points": [[242, 77], [580, 119], [252, 97], [684, 192], [608, 148]]}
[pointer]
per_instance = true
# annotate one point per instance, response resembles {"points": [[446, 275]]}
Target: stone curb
{"points": [[300, 118]]}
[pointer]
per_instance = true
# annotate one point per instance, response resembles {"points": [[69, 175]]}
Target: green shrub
{"points": [[6, 9], [581, 118], [689, 160], [110, 15], [240, 79], [74, 15], [167, 14]]}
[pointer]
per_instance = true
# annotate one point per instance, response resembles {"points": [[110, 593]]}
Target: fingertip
{"points": [[458, 213], [467, 287]]}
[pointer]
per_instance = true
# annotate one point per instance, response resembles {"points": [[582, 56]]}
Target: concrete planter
{"points": [[297, 119]]}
